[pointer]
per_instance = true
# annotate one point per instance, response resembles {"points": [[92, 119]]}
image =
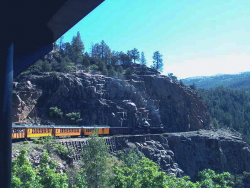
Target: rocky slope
{"points": [[191, 152], [148, 98]]}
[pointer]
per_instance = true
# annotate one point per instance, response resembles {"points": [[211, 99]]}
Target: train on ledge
{"points": [[36, 131]]}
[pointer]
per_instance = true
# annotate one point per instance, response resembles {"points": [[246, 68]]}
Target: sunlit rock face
{"points": [[148, 98]]}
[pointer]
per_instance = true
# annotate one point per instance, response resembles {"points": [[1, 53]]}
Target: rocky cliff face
{"points": [[191, 152], [147, 99]]}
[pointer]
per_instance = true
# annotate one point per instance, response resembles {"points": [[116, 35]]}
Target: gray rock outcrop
{"points": [[155, 99], [191, 152]]}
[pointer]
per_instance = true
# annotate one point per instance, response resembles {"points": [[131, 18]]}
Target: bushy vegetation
{"points": [[74, 117], [128, 169], [55, 112], [25, 175], [51, 146], [229, 108]]}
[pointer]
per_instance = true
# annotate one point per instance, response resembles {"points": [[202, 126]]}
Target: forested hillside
{"points": [[229, 108], [234, 81], [67, 57]]}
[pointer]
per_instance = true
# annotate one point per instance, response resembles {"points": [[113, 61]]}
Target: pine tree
{"points": [[77, 48], [103, 47], [125, 59], [143, 59], [158, 62], [96, 162], [61, 42], [135, 54]]}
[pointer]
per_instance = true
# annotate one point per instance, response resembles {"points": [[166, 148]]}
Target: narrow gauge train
{"points": [[34, 131]]}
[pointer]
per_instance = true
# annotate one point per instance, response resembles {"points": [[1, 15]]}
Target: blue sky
{"points": [[196, 37]]}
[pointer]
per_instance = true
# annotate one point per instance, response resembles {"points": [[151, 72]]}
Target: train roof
{"points": [[67, 127], [60, 126], [92, 127], [32, 126]]}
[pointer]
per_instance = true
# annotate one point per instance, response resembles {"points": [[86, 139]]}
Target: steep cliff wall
{"points": [[153, 100], [190, 152]]}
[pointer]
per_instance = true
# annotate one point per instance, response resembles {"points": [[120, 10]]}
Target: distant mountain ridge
{"points": [[234, 81]]}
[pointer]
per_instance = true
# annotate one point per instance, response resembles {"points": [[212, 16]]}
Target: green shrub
{"points": [[55, 112], [61, 150], [74, 117]]}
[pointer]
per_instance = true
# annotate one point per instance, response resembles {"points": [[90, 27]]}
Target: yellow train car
{"points": [[66, 131], [18, 131], [38, 131], [101, 130]]}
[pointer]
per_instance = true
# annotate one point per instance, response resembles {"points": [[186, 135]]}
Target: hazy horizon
{"points": [[199, 39]]}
